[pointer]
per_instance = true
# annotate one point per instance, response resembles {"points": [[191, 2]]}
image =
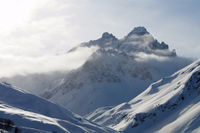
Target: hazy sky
{"points": [[43, 27]]}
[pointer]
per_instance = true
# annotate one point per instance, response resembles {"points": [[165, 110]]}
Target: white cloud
{"points": [[48, 30], [22, 65]]}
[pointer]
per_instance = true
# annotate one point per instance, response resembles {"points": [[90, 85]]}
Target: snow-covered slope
{"points": [[170, 105], [116, 72], [27, 113]]}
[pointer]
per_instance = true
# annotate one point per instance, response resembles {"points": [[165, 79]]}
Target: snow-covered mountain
{"points": [[138, 40], [170, 105], [117, 71], [25, 113]]}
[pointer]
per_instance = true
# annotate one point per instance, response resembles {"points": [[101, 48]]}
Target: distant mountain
{"points": [[170, 105], [21, 112], [138, 40], [116, 72]]}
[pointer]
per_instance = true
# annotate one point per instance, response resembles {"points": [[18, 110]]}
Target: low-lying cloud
{"points": [[165, 64], [21, 65]]}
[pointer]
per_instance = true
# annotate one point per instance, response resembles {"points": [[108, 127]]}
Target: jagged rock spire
{"points": [[140, 30], [107, 35]]}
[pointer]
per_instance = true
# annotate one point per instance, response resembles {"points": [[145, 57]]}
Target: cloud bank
{"points": [[22, 65]]}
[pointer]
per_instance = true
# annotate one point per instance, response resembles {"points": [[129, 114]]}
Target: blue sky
{"points": [[49, 26]]}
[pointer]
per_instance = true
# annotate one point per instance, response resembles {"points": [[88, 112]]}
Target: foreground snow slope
{"points": [[30, 113], [171, 105]]}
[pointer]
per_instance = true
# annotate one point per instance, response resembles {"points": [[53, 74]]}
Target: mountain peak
{"points": [[138, 40], [107, 35], [140, 30]]}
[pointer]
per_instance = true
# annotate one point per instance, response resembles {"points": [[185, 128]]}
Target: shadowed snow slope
{"points": [[170, 105], [116, 71], [29, 113]]}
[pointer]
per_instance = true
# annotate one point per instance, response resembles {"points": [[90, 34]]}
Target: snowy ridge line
{"points": [[159, 107], [189, 89]]}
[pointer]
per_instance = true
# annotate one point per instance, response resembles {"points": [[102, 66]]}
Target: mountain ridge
{"points": [[168, 105], [134, 41]]}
